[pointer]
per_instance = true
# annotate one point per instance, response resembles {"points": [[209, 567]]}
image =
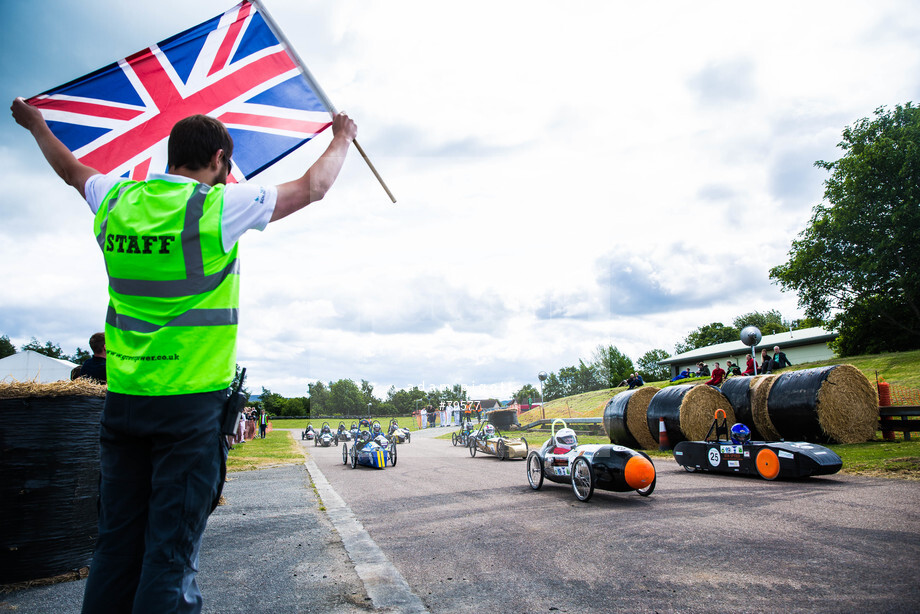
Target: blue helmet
{"points": [[740, 433]]}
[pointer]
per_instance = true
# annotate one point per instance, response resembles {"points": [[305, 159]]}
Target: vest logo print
{"points": [[138, 244]]}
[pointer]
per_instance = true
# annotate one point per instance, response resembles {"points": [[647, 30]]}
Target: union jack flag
{"points": [[232, 67]]}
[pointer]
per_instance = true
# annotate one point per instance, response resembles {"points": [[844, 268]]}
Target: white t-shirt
{"points": [[246, 206]]}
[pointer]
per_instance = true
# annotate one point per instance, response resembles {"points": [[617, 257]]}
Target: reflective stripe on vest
{"points": [[174, 333]]}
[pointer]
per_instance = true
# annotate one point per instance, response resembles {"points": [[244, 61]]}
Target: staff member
{"points": [[170, 249]]}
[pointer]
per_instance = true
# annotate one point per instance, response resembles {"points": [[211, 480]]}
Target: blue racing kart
{"points": [[377, 453]]}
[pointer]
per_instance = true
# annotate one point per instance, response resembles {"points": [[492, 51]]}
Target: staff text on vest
{"points": [[138, 244]]}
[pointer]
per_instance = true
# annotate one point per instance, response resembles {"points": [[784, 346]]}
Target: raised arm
{"points": [[313, 185], [64, 163]]}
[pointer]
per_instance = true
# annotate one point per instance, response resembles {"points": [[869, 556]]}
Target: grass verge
{"points": [[278, 448]]}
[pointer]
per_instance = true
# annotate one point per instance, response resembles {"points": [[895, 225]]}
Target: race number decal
{"points": [[714, 457]]}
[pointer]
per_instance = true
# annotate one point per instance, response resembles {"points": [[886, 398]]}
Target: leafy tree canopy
{"points": [[611, 366], [649, 368], [6, 347], [857, 261]]}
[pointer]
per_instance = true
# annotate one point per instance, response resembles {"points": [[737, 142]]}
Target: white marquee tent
{"points": [[29, 366]]}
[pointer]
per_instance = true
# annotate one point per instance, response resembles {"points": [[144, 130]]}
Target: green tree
{"points": [[6, 347], [857, 262], [611, 366], [319, 398], [346, 398], [553, 388], [271, 402], [79, 357], [768, 323], [649, 368], [707, 335], [527, 394], [49, 349]]}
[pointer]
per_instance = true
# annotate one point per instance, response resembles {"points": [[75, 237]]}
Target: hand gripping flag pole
{"points": [[279, 34]]}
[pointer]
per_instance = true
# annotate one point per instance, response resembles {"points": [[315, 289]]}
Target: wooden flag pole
{"points": [[316, 87]]}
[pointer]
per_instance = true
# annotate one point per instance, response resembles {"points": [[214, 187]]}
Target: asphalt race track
{"points": [[470, 535]]}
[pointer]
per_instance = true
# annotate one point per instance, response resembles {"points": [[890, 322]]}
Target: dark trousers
{"points": [[163, 463]]}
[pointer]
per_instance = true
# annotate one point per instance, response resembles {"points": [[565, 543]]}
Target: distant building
{"points": [[802, 345], [29, 366]]}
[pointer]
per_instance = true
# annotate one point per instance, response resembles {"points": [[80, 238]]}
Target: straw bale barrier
{"points": [[625, 413], [636, 417], [760, 392], [738, 392], [688, 411], [49, 477], [832, 404]]}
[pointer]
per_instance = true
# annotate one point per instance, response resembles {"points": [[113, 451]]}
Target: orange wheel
{"points": [[767, 464]]}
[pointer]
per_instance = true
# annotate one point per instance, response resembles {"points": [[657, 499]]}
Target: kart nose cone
{"points": [[639, 472]]}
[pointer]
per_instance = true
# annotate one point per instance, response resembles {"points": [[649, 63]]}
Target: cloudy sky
{"points": [[568, 175]]}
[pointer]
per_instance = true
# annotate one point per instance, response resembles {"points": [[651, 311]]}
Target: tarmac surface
{"points": [[444, 532]]}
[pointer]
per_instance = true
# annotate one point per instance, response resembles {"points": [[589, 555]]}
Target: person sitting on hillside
{"points": [[634, 381], [766, 361], [718, 376], [731, 368], [682, 375], [779, 359], [751, 366]]}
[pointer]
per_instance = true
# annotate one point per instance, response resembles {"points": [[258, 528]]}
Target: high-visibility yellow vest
{"points": [[173, 291]]}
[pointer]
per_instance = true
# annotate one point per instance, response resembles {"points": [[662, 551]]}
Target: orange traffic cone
{"points": [[664, 443]]}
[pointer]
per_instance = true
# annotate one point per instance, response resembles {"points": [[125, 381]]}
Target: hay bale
{"points": [[81, 387], [636, 416], [760, 393], [615, 420], [698, 408], [738, 392], [829, 404]]}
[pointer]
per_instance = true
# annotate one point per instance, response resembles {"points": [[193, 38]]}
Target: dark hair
{"points": [[97, 342], [193, 140]]}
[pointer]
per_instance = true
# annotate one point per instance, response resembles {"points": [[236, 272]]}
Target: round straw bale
{"points": [[615, 420], [835, 403], [636, 416], [698, 408], [738, 392], [79, 387], [760, 392]]}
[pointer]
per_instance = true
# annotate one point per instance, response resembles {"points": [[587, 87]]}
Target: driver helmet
{"points": [[489, 430], [354, 426], [377, 428], [740, 433], [309, 427], [566, 438]]}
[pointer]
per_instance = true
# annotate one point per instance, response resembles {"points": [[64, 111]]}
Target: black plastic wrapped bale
{"points": [[688, 411], [502, 418], [835, 404], [738, 392], [49, 484], [615, 420]]}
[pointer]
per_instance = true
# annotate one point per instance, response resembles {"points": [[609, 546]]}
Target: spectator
{"points": [[766, 361], [682, 375], [718, 376], [94, 367], [731, 368], [634, 381], [751, 367], [702, 369], [424, 419], [779, 359]]}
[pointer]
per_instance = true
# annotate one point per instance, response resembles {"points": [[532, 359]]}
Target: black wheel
{"points": [[472, 446], [453, 438], [526, 446], [535, 470], [303, 435], [354, 456], [393, 454], [689, 469], [501, 450], [582, 479], [344, 453], [315, 441], [648, 489], [335, 440], [408, 437]]}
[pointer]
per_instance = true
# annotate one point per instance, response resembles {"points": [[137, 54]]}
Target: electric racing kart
{"points": [[325, 437], [489, 440], [398, 434], [462, 437], [368, 451], [731, 451], [590, 466], [342, 434], [308, 433]]}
